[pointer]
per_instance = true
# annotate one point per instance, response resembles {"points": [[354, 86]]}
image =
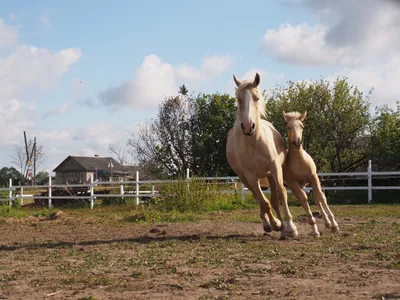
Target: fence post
{"points": [[242, 191], [21, 200], [137, 187], [187, 178], [152, 190], [121, 191], [91, 193], [10, 192], [369, 181], [50, 192]]}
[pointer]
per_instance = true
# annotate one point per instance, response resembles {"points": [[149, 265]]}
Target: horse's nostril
{"points": [[241, 125], [253, 126]]}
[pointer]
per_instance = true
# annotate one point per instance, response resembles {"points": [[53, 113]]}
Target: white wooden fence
{"points": [[137, 193]]}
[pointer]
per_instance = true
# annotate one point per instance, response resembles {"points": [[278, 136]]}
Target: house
{"points": [[79, 169]]}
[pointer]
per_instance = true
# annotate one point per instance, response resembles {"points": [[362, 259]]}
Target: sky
{"points": [[81, 75]]}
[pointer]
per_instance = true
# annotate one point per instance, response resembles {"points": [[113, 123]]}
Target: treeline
{"points": [[341, 133], [17, 178]]}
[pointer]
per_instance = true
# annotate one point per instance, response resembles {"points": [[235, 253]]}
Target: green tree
{"points": [[42, 177], [214, 116], [9, 173], [189, 132], [385, 139], [337, 122]]}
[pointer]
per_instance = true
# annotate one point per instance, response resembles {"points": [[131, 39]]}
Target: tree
{"points": [[214, 116], [337, 121], [42, 177], [120, 153], [385, 138], [164, 146], [189, 132], [19, 157], [9, 173]]}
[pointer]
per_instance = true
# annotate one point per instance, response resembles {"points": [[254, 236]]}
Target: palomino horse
{"points": [[255, 151], [299, 170]]}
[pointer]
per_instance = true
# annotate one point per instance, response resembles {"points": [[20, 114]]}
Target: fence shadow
{"points": [[140, 240]]}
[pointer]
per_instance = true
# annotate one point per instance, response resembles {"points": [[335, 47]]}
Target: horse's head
{"points": [[294, 124], [249, 106]]}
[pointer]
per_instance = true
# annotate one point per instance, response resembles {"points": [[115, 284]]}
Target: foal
{"points": [[299, 170]]}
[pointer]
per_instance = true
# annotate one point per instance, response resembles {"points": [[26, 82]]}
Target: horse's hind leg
{"points": [[263, 205], [320, 198], [322, 210], [302, 197]]}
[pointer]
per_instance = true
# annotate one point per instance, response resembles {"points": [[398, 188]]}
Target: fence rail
{"points": [[137, 193]]}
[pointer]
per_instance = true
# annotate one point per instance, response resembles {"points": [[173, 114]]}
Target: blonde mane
{"points": [[293, 115]]}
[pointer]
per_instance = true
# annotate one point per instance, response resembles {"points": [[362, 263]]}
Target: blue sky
{"points": [[80, 75]]}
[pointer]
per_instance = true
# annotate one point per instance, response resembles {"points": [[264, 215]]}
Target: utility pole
{"points": [[34, 161]]}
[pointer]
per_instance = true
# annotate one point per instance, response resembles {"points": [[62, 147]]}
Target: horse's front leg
{"points": [[269, 220], [290, 229], [274, 197], [302, 197]]}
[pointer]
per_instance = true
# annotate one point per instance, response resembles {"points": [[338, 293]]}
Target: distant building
{"points": [[79, 169]]}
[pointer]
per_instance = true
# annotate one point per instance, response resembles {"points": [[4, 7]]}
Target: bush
{"points": [[198, 195]]}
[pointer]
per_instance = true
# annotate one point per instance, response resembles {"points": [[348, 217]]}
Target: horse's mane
{"points": [[293, 115]]}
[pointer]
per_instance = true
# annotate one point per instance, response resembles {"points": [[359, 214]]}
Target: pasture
{"points": [[126, 252]]}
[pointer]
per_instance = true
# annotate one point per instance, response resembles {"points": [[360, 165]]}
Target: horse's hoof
{"points": [[282, 237], [328, 225], [277, 226], [316, 235], [335, 229], [267, 229], [293, 233]]}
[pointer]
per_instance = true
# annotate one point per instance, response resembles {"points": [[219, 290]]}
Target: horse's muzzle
{"points": [[252, 129], [297, 144]]}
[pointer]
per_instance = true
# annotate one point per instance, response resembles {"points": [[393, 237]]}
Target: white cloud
{"points": [[155, 79], [357, 38], [304, 45], [349, 33], [41, 69], [15, 115], [23, 69], [8, 35], [216, 64]]}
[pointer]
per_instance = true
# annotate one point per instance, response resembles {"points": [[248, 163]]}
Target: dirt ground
{"points": [[224, 255]]}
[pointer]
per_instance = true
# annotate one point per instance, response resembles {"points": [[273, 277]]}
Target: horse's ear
{"points": [[303, 116], [256, 80], [237, 81], [284, 116]]}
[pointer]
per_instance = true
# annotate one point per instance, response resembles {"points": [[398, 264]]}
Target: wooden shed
{"points": [[79, 169]]}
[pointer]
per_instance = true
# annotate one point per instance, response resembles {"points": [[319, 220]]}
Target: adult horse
{"points": [[255, 151]]}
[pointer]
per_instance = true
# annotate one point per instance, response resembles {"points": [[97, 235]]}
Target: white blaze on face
{"points": [[246, 119]]}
